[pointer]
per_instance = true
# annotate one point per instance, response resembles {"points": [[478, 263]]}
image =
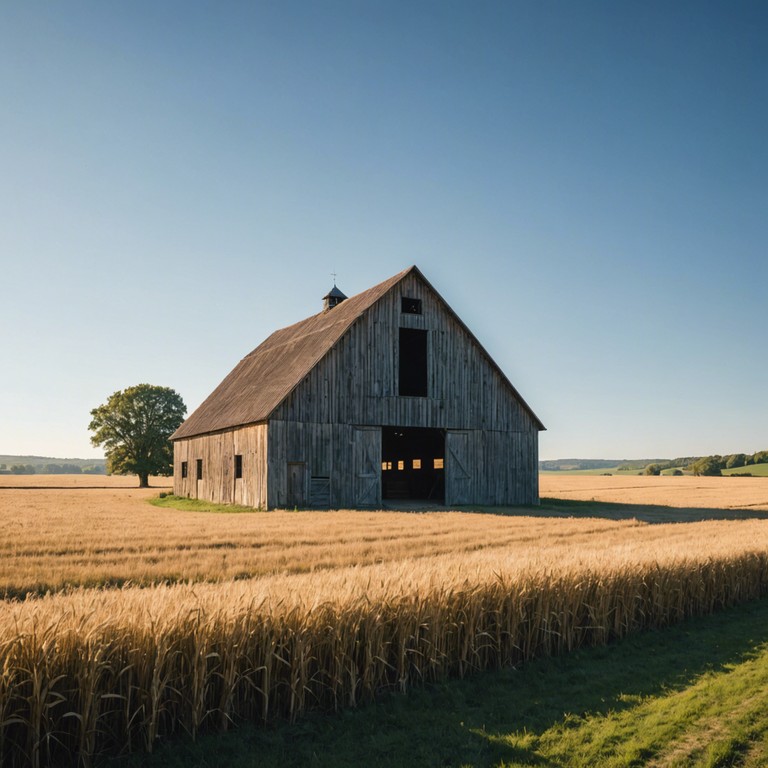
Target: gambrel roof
{"points": [[262, 380]]}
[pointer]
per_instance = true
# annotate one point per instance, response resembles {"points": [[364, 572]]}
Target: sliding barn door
{"points": [[366, 452], [458, 468]]}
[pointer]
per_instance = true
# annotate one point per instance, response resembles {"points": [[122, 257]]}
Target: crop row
{"points": [[81, 678]]}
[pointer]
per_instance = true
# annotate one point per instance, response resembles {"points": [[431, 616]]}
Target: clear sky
{"points": [[586, 183]]}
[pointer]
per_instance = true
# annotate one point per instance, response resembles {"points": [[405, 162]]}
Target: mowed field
{"points": [[716, 493], [62, 531], [168, 621]]}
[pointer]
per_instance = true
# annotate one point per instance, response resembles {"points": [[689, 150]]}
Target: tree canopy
{"points": [[133, 427]]}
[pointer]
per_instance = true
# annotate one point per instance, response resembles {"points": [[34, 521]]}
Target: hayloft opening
{"points": [[412, 463], [410, 306], [413, 362]]}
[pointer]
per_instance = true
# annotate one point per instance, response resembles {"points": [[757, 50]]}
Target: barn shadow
{"points": [[550, 507]]}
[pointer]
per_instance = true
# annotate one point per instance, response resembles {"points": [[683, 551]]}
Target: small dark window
{"points": [[238, 467], [413, 362], [199, 469], [183, 469], [410, 306]]}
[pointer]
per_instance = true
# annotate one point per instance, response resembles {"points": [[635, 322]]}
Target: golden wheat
{"points": [[92, 671], [665, 490]]}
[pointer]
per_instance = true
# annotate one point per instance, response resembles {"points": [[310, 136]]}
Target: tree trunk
{"points": [[143, 480]]}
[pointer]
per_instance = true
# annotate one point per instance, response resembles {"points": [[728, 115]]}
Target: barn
{"points": [[382, 397]]}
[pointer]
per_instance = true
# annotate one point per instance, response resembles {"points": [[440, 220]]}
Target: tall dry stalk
{"points": [[103, 672]]}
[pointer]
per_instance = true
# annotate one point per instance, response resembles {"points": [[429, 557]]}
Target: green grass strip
{"points": [[198, 505]]}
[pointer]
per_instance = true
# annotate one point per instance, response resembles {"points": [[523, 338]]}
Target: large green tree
{"points": [[134, 425]]}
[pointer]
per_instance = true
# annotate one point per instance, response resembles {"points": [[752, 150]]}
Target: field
{"points": [[692, 493], [756, 470], [225, 617]]}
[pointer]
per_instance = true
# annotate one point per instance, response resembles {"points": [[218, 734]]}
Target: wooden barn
{"points": [[386, 395]]}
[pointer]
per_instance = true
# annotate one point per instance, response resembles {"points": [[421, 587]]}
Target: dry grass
{"points": [[51, 538], [666, 490], [345, 604]]}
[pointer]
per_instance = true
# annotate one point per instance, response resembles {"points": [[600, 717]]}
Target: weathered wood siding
{"points": [[218, 452], [488, 467], [348, 456], [357, 384]]}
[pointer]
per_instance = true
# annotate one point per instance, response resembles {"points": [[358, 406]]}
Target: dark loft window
{"points": [[410, 306], [413, 362], [183, 469], [199, 469], [238, 467]]}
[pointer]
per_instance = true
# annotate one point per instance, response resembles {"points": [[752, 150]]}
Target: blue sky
{"points": [[586, 183]]}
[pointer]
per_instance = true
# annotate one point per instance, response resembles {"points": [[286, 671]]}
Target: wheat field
{"points": [[664, 490], [221, 618]]}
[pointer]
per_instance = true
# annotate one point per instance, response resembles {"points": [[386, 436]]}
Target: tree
{"points": [[736, 460], [653, 469], [22, 469], [134, 425], [708, 466]]}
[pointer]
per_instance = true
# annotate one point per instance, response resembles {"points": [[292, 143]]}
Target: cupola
{"points": [[332, 298]]}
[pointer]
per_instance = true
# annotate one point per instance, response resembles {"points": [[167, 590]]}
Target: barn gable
{"points": [[358, 380]]}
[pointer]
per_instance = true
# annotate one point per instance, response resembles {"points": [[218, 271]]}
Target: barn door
{"points": [[366, 452], [297, 484], [458, 477]]}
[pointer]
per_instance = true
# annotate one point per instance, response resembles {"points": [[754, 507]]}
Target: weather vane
{"points": [[333, 274]]}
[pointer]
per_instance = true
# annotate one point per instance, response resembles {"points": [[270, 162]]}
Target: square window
{"points": [[438, 463], [410, 306], [417, 463]]}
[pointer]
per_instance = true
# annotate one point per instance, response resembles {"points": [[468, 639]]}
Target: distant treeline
{"points": [[709, 465], [52, 469], [698, 465], [564, 465]]}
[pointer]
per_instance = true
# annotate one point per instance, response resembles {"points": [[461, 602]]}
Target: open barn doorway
{"points": [[412, 463]]}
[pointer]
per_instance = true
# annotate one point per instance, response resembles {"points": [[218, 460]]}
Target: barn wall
{"points": [[487, 467], [482, 467], [357, 383], [349, 457], [218, 453]]}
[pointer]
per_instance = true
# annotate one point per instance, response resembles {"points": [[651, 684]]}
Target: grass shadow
{"points": [[608, 510], [464, 722]]}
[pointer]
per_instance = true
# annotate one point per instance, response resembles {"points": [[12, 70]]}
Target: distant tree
{"points": [[22, 469], [653, 469], [96, 469], [134, 425], [709, 466], [736, 460], [678, 472]]}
